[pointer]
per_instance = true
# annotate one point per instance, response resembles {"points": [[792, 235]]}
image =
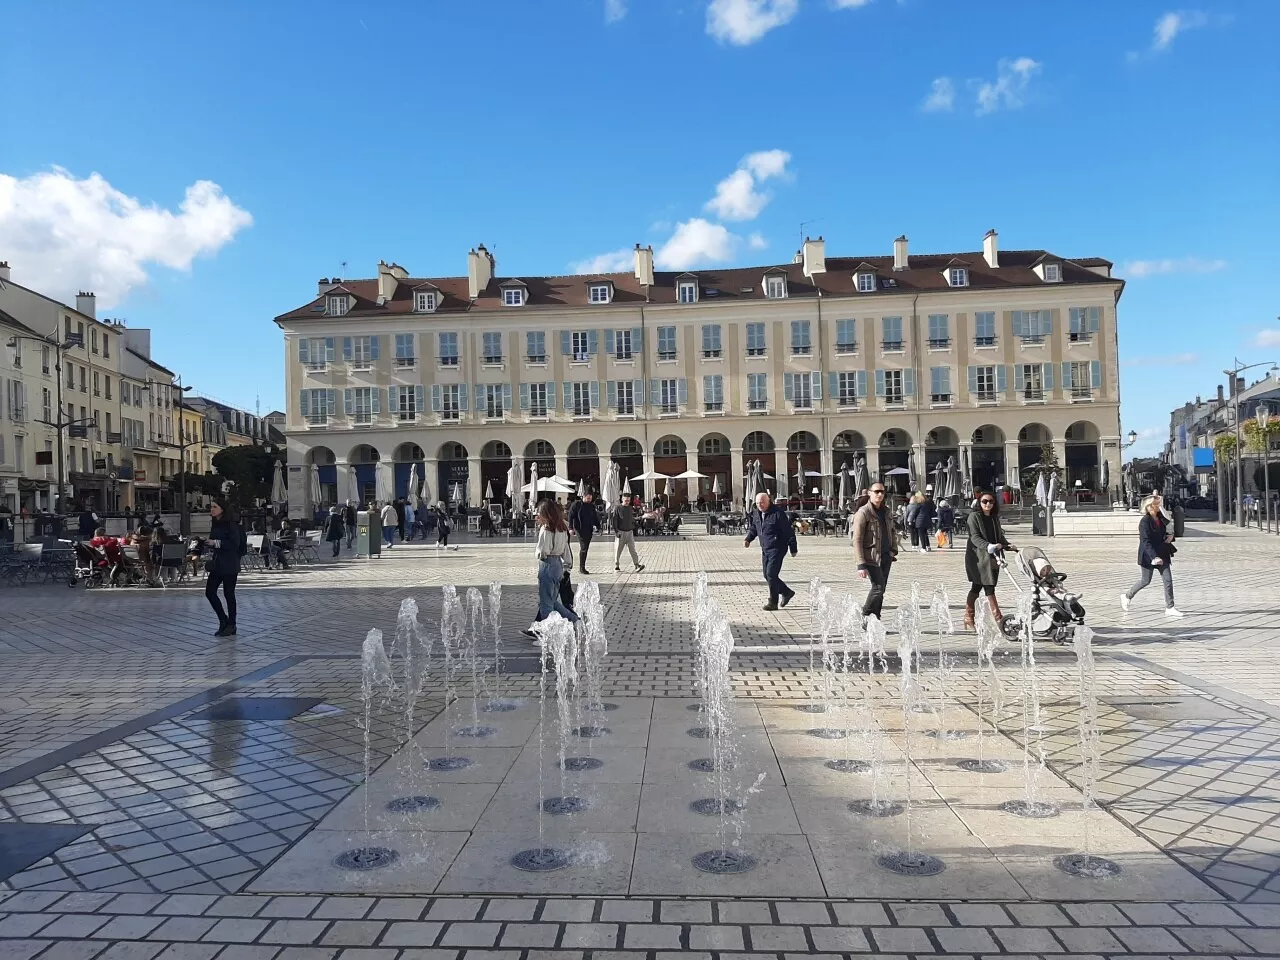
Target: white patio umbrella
{"points": [[353, 484], [514, 475], [1041, 491], [488, 490], [626, 487], [782, 484], [582, 489], [715, 488], [688, 476], [412, 491], [382, 476], [549, 485], [279, 485], [860, 479], [1105, 479], [532, 489], [314, 481], [843, 493], [610, 489], [424, 493]]}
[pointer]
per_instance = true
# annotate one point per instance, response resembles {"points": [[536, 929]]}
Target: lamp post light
{"points": [[1234, 374], [1263, 417]]}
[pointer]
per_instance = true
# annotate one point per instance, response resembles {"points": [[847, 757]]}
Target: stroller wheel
{"points": [[1012, 627]]}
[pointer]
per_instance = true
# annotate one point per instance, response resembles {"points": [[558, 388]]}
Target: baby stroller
{"points": [[1055, 611], [90, 566]]}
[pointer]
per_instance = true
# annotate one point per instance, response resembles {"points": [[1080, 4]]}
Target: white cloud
{"points": [[696, 242], [616, 261], [757, 242], [942, 96], [1140, 269], [736, 195], [1171, 24], [743, 22], [64, 234], [1008, 90], [1267, 338], [1169, 360], [614, 10]]}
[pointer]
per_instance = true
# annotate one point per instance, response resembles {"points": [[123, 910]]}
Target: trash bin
{"points": [[1040, 520], [368, 533]]}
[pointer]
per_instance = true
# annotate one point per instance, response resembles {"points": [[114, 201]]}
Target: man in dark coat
{"points": [[584, 520], [777, 536], [399, 508], [349, 520]]}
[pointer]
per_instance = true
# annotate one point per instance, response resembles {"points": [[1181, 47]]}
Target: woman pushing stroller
{"points": [[986, 541]]}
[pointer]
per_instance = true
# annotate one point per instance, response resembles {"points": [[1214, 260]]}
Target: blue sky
{"points": [[558, 131]]}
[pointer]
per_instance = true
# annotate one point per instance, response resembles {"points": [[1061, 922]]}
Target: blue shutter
{"points": [[1047, 376], [788, 387], [1095, 315], [346, 349], [373, 347], [1046, 322], [1018, 324], [833, 384], [861, 383], [524, 396], [816, 380], [566, 342], [608, 342], [1095, 374], [304, 350], [1066, 375], [393, 399], [1002, 378], [595, 394], [462, 398], [437, 398], [375, 404], [637, 339], [593, 342], [328, 349], [349, 402], [637, 392], [418, 394], [568, 396], [655, 392], [331, 402], [611, 394], [682, 391], [879, 383], [506, 398], [304, 403], [551, 395], [909, 382], [973, 381]]}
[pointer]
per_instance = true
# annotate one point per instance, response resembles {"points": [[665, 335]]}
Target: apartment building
{"points": [[902, 359], [1194, 429]]}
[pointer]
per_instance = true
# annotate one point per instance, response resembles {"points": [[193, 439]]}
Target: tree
{"points": [[205, 484], [1048, 466], [250, 469], [1273, 471]]}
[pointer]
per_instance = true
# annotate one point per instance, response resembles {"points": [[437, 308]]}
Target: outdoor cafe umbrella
{"points": [[353, 484], [782, 483], [715, 488], [279, 486], [488, 490], [1041, 492], [413, 486], [939, 480], [898, 472], [912, 483], [687, 476], [424, 492], [843, 492], [514, 475], [966, 483], [609, 491], [582, 489], [533, 484], [382, 474], [860, 480], [955, 482]]}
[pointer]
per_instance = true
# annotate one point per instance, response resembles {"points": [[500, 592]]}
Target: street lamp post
{"points": [[1234, 374], [1132, 438], [1263, 416], [184, 513]]}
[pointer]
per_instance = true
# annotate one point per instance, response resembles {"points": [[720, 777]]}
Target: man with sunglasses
{"points": [[777, 535], [875, 547]]}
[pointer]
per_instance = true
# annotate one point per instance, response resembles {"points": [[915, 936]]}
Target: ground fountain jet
{"points": [[1030, 805], [493, 618], [990, 693], [940, 607], [468, 659]]}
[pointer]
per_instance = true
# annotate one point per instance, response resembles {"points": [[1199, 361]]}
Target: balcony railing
{"points": [[450, 415], [984, 341], [1031, 338], [939, 343], [847, 400], [666, 354], [757, 404], [986, 396], [668, 407], [623, 355], [1031, 393], [496, 358], [1081, 393], [536, 357], [939, 398], [889, 346], [801, 349], [317, 419], [1080, 337], [447, 361], [846, 347], [405, 362], [755, 351], [713, 405]]}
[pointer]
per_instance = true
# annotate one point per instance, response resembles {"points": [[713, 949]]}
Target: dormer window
{"points": [[1053, 273], [687, 291], [600, 292], [424, 302], [775, 287], [957, 277], [866, 282], [513, 297], [337, 306]]}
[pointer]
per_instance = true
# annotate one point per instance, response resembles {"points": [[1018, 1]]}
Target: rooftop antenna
{"points": [[344, 270], [805, 223]]}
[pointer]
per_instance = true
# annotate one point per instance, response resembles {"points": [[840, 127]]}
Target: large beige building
{"points": [[986, 355]]}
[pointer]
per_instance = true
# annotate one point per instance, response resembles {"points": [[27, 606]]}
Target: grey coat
{"points": [[979, 566]]}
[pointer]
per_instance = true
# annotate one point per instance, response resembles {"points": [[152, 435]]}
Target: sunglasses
{"points": [[987, 502], [877, 493]]}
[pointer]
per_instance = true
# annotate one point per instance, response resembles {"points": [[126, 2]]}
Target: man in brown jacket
{"points": [[875, 547]]}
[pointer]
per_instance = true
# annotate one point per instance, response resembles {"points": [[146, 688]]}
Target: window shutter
{"points": [[1095, 315], [373, 347], [524, 396], [719, 387], [815, 379], [568, 395], [879, 383], [506, 398], [1095, 374], [682, 391], [909, 382], [1002, 378], [418, 396], [608, 343], [1047, 375], [328, 349], [462, 398], [331, 398], [833, 384], [593, 342], [551, 395], [349, 402], [655, 392], [304, 403], [566, 342], [375, 403], [346, 349], [861, 383], [1046, 322], [393, 399], [595, 394], [637, 392], [1066, 375], [304, 350], [1018, 330], [973, 380], [437, 398], [788, 387], [637, 339], [611, 394]]}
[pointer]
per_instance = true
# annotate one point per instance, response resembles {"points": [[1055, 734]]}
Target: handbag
{"points": [[566, 590]]}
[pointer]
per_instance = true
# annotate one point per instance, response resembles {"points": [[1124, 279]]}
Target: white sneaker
{"points": [[1173, 613], [1124, 602]]}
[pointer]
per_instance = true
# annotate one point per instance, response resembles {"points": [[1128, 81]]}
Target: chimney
{"points": [[1220, 397], [815, 256], [4, 269], [87, 304], [480, 266], [900, 253], [386, 282], [990, 250], [644, 265], [324, 286]]}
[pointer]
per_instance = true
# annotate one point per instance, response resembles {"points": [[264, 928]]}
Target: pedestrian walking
{"points": [[986, 541], [925, 512], [400, 518], [1155, 552], [335, 526], [442, 524], [875, 546], [946, 523], [349, 520], [584, 520], [390, 523], [777, 536], [88, 524], [624, 529], [227, 544], [410, 520], [555, 556]]}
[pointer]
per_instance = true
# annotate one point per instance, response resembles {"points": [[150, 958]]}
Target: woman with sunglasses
{"points": [[986, 541]]}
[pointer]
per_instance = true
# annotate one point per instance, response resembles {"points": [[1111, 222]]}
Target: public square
{"points": [[166, 793]]}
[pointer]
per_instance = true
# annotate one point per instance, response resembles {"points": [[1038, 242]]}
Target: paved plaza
{"points": [[164, 793]]}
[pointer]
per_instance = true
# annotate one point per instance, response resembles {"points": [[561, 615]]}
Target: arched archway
{"points": [[716, 461], [495, 461], [846, 447], [584, 464], [987, 465], [1031, 443], [804, 467], [671, 457], [403, 459], [941, 446], [362, 460], [759, 445], [543, 453], [326, 472], [895, 454], [1083, 457], [628, 454], [452, 472]]}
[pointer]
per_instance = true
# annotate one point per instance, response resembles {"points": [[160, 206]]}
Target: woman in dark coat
{"points": [[986, 539], [1155, 552], [225, 545], [335, 527]]}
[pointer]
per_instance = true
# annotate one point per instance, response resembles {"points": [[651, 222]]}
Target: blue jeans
{"points": [[550, 573], [388, 534]]}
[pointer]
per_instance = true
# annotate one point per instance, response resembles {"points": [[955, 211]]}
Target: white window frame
{"points": [[424, 301], [757, 391], [407, 405], [847, 347], [943, 342], [847, 389], [362, 417], [957, 276], [801, 339], [579, 347], [600, 293], [513, 297], [488, 357], [494, 405], [538, 400], [866, 282], [669, 395], [1053, 273], [581, 398], [987, 373], [1075, 388], [687, 291], [985, 340], [893, 387], [802, 391], [775, 288], [887, 345], [622, 349], [762, 349], [451, 401], [626, 397], [337, 306], [673, 352], [712, 342], [1030, 381], [940, 396], [713, 399]]}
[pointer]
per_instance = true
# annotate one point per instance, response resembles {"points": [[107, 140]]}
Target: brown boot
{"points": [[968, 614], [994, 604]]}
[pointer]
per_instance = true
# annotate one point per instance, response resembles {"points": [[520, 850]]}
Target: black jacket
{"points": [[225, 557], [924, 512], [584, 519], [979, 566], [1151, 544], [774, 529]]}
